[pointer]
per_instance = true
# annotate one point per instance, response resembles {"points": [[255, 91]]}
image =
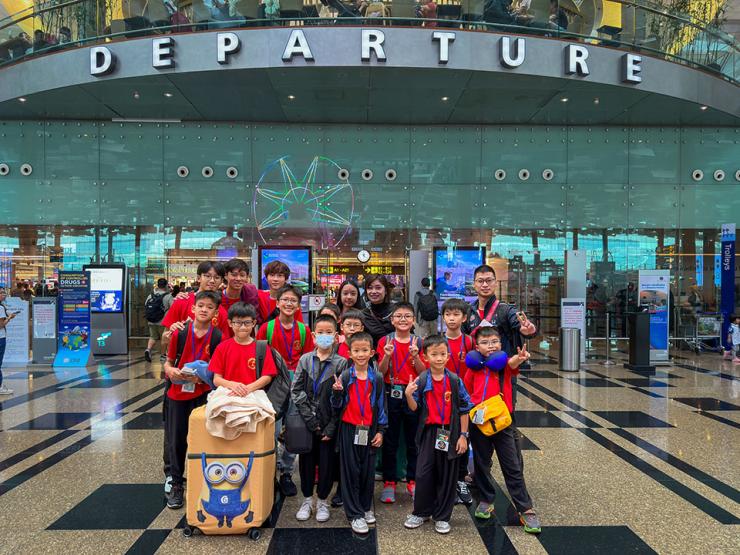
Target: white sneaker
{"points": [[168, 485], [359, 526], [413, 521], [322, 511], [304, 513], [442, 527], [370, 517], [5, 391]]}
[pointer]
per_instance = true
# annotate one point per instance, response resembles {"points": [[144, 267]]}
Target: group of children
{"points": [[353, 402]]}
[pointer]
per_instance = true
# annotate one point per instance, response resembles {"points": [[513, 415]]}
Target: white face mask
{"points": [[324, 341]]}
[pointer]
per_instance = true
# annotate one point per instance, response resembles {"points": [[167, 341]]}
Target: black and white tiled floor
{"points": [[616, 462]]}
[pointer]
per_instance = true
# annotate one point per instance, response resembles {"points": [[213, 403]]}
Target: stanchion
{"points": [[608, 362]]}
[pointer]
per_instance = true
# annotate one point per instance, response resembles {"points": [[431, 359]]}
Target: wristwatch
{"points": [[466, 435]]}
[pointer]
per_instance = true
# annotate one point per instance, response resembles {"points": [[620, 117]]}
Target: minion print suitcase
{"points": [[230, 484]]}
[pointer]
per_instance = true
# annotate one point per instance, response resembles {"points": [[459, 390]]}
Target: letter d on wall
{"points": [[102, 61]]}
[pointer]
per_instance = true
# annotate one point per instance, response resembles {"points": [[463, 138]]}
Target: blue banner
{"points": [[717, 270], [727, 303], [700, 270], [73, 347], [654, 293]]}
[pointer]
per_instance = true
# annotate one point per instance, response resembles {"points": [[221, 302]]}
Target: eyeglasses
{"points": [[211, 277], [403, 316], [488, 281], [352, 325], [490, 343], [242, 323], [289, 301]]}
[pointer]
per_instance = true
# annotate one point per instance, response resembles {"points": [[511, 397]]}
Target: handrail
{"points": [[730, 47]]}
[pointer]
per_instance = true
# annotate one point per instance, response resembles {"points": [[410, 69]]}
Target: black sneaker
{"points": [[463, 493], [336, 501], [287, 486], [148, 355], [175, 499]]}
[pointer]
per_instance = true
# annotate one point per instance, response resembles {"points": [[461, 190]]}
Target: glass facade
{"points": [[111, 192]]}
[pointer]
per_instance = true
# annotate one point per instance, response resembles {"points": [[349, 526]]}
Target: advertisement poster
{"points": [[17, 346], [44, 318], [298, 260], [73, 348], [654, 294], [453, 271], [106, 288], [727, 302]]}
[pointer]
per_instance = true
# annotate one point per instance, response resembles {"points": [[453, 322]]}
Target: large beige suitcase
{"points": [[230, 484]]}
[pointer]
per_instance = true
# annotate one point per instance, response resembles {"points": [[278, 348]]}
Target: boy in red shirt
{"points": [[277, 275], [210, 278], [351, 324], [401, 363], [439, 397], [188, 392], [288, 335], [358, 396], [292, 340], [484, 384], [454, 314], [234, 364], [238, 288]]}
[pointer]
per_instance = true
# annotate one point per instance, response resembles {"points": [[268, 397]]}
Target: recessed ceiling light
{"points": [[169, 94], [445, 98], [596, 100], [564, 99], [291, 97], [22, 99], [704, 108], [137, 96]]}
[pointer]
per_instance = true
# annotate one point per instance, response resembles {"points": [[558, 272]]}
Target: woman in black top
{"points": [[376, 316]]}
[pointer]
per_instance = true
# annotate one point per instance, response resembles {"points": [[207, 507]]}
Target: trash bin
{"points": [[570, 349]]}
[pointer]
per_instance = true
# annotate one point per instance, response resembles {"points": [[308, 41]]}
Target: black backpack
{"points": [[279, 390], [154, 308], [182, 337], [428, 307]]}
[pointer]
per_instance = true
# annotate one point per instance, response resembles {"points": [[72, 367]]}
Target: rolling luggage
{"points": [[230, 484]]}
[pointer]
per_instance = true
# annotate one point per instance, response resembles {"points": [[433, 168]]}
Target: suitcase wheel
{"points": [[188, 531], [254, 534]]}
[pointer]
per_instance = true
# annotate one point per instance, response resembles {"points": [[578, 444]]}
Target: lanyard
{"points": [[206, 341], [361, 400], [440, 410], [395, 366], [288, 347], [456, 360], [317, 383], [500, 383], [488, 315]]}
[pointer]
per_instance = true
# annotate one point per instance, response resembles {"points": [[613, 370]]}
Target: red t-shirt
{"points": [[238, 363], [202, 349], [439, 398], [182, 309], [475, 383], [359, 392], [343, 350], [267, 306], [401, 366], [226, 302], [458, 350], [282, 338]]}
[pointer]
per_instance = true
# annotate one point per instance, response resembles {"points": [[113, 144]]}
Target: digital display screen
{"points": [[298, 260], [453, 271], [106, 289]]}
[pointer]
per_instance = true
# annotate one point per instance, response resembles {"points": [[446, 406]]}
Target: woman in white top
{"points": [[5, 317]]}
